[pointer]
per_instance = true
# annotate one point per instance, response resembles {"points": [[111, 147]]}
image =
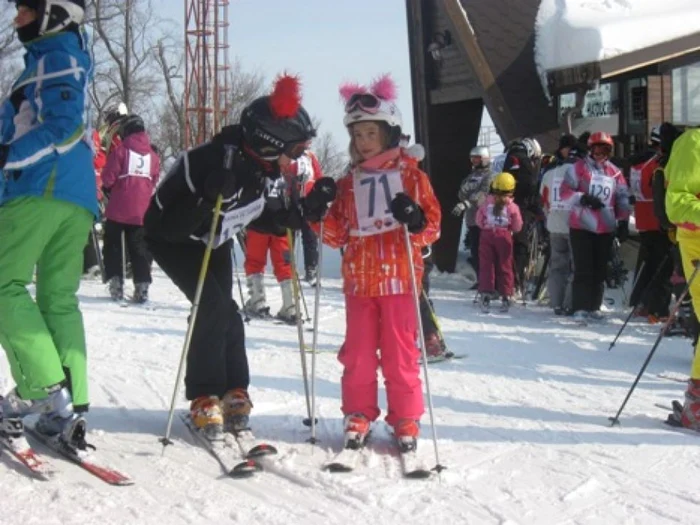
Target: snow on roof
{"points": [[573, 32]]}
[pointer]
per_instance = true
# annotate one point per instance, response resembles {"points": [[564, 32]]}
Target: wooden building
{"points": [[467, 55]]}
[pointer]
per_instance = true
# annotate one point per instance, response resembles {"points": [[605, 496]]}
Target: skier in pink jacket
{"points": [[129, 178], [600, 209], [498, 218]]}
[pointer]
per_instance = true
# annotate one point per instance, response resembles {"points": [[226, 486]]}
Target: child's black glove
{"points": [[316, 202], [408, 212], [591, 201]]}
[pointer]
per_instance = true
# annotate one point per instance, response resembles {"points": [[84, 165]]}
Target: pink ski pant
{"points": [[496, 262], [386, 324]]}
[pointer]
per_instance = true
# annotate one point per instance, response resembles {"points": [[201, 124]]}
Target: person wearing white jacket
{"points": [[560, 261]]}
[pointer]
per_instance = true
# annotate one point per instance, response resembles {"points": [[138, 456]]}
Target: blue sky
{"points": [[326, 42]]}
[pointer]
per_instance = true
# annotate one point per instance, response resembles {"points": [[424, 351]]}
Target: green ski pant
{"points": [[44, 339]]}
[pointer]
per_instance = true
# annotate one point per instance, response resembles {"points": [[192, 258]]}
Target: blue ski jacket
{"points": [[45, 123]]}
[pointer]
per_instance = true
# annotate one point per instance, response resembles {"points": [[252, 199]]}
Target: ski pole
{"points": [[421, 337], [314, 340], [98, 253], [642, 297], [165, 440], [123, 260], [300, 329], [246, 319], [616, 420]]}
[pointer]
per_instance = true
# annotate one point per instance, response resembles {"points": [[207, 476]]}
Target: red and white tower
{"points": [[206, 68]]}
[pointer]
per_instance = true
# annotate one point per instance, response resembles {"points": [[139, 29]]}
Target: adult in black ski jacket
{"points": [[240, 164]]}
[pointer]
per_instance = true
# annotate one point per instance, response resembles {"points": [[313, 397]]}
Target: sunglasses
{"points": [[364, 101]]}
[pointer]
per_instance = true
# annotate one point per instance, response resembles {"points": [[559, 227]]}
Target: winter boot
{"points": [[596, 315], [236, 406], [357, 428], [12, 408], [116, 288], [406, 432], [141, 292], [58, 419], [310, 275], [256, 305], [690, 417], [288, 311], [505, 304], [434, 348], [485, 303], [205, 412]]}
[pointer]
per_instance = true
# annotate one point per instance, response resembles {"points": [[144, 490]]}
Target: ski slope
{"points": [[521, 423]]}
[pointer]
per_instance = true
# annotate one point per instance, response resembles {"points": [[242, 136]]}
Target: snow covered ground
{"points": [[522, 426], [571, 32]]}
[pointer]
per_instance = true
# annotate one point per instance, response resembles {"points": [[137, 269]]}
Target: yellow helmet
{"points": [[503, 183]]}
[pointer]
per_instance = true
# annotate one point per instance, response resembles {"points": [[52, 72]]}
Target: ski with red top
{"points": [[87, 459], [20, 448]]}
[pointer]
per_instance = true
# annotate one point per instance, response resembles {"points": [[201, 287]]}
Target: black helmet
{"points": [[270, 136], [278, 123], [130, 125]]}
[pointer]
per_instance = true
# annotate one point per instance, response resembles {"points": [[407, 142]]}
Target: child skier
{"points": [[130, 176], [238, 164], [472, 193], [382, 192], [499, 218]]}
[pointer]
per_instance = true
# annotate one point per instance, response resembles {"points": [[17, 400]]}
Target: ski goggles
{"points": [[365, 101], [296, 149]]}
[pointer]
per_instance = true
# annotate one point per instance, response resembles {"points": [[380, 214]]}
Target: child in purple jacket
{"points": [[129, 179], [499, 217]]}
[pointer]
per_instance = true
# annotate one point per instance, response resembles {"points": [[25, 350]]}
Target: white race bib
{"points": [[555, 200], [602, 186], [374, 192], [496, 221], [139, 165], [235, 220]]}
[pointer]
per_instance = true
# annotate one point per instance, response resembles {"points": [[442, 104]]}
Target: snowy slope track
{"points": [[522, 426]]}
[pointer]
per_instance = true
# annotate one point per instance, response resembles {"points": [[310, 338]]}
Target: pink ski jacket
{"points": [[604, 181]]}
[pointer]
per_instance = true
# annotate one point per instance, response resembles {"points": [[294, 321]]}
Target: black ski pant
{"points": [[521, 249], [136, 247], [655, 253], [216, 361], [591, 253], [90, 258], [309, 242], [473, 236], [426, 312]]}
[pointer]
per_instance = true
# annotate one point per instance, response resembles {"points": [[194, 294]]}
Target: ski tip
{"points": [[307, 421], [417, 474], [261, 450], [337, 468], [245, 469]]}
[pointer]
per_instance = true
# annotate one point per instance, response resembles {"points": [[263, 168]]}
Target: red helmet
{"points": [[600, 137]]}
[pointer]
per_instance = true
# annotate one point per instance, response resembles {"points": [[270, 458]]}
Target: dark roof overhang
{"points": [[654, 59]]}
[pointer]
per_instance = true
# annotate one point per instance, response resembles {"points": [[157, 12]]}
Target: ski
{"points": [[449, 356], [223, 452], [250, 447], [412, 467], [345, 461], [86, 459], [677, 379], [20, 448]]}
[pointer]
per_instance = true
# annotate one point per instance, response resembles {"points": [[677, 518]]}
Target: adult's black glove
{"points": [[221, 181], [591, 201], [317, 200], [408, 212], [4, 150], [623, 231], [632, 200]]}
